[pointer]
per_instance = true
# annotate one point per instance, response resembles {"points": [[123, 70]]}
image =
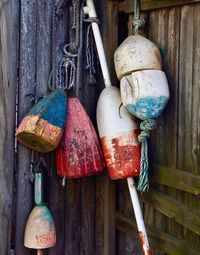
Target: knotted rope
{"points": [[146, 126], [137, 23]]}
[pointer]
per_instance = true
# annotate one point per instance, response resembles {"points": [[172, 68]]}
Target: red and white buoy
{"points": [[118, 132]]}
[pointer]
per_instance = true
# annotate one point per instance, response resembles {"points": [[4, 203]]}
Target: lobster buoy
{"points": [[145, 93], [42, 127], [40, 229], [136, 53], [40, 232], [79, 153], [118, 131], [144, 87]]}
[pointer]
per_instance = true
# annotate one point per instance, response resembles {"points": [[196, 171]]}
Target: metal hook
{"points": [[68, 52]]}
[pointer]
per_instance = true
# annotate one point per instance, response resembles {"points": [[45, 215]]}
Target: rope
{"points": [[146, 126], [138, 23], [90, 50]]}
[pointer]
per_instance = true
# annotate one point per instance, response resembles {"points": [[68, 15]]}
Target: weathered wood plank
{"points": [[174, 209], [9, 32], [57, 194], [73, 218], [27, 80], [176, 178], [192, 201], [158, 137], [168, 244], [127, 6], [106, 206], [188, 157], [88, 216]]}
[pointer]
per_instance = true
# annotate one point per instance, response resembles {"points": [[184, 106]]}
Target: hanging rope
{"points": [[146, 126], [90, 50], [138, 23]]}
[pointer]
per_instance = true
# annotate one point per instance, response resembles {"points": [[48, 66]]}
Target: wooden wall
{"points": [[171, 208], [94, 216], [29, 49]]}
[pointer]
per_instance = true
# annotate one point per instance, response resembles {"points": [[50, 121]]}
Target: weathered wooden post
{"points": [[9, 18]]}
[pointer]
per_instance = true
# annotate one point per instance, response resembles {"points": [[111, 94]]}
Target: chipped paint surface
{"points": [[51, 108], [145, 93], [38, 134], [122, 154], [136, 53], [79, 153], [42, 127], [46, 239], [148, 107], [40, 229], [145, 244]]}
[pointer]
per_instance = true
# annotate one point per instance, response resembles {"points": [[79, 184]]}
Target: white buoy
{"points": [[118, 131], [136, 53], [145, 93]]}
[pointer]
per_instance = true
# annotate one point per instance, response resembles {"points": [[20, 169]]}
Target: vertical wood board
{"points": [[9, 18]]}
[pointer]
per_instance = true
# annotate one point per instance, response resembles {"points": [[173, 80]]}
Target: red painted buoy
{"points": [[79, 153]]}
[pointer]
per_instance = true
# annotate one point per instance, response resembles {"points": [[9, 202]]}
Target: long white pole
{"points": [[90, 10], [138, 216]]}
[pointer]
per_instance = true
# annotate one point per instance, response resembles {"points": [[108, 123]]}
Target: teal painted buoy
{"points": [[42, 127]]}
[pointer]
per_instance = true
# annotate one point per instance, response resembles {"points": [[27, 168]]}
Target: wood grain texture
{"points": [[9, 32], [166, 243], [27, 79], [73, 218], [106, 206], [176, 178], [127, 6], [188, 155], [57, 194], [172, 208], [174, 146]]}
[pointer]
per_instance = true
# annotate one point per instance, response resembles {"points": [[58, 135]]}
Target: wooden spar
{"points": [[40, 252]]}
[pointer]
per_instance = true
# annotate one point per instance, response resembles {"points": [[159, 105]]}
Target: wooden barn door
{"points": [[172, 207]]}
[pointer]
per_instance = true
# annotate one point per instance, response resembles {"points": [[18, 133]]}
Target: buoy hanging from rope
{"points": [[143, 84], [40, 233], [42, 127], [79, 154]]}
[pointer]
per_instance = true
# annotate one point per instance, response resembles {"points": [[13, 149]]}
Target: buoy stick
{"points": [[40, 252], [138, 216], [90, 10]]}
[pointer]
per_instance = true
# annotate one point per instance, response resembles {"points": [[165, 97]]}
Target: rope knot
{"points": [[146, 126], [138, 24]]}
